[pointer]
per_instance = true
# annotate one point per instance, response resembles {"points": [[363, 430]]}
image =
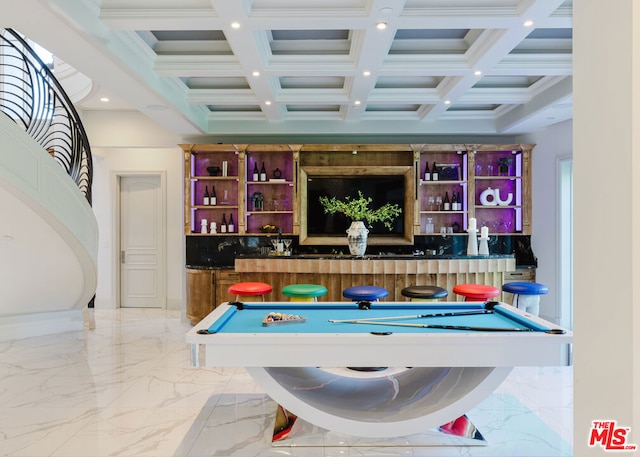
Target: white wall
{"points": [[552, 144], [129, 142]]}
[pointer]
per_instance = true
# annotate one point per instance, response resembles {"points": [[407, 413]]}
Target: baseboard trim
{"points": [[38, 324], [174, 303], [104, 303], [109, 303]]}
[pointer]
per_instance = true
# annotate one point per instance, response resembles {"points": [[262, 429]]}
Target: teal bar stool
{"points": [[304, 292]]}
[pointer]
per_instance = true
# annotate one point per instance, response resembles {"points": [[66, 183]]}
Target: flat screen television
{"points": [[382, 190]]}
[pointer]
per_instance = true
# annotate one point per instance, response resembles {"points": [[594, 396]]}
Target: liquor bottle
{"points": [[205, 200], [263, 173], [213, 200], [427, 173], [454, 202], [434, 172], [231, 226], [223, 225], [459, 202], [446, 202], [279, 243], [256, 174]]}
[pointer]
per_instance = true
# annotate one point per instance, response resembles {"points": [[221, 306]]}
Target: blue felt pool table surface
{"points": [[317, 315]]}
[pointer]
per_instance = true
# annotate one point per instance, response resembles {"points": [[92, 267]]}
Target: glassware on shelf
{"points": [[287, 243], [478, 170], [490, 170], [438, 203], [275, 204], [274, 243], [429, 227], [225, 198], [431, 201]]}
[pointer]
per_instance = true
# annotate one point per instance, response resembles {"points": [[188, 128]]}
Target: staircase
{"points": [[48, 232]]}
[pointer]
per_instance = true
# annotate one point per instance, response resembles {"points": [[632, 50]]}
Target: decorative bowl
{"points": [[268, 228]]}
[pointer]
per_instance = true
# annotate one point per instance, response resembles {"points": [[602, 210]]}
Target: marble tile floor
{"points": [[125, 387]]}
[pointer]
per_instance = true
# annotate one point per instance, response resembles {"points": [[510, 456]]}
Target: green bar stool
{"points": [[424, 293], [304, 292]]}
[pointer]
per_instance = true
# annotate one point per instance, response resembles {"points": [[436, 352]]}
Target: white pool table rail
{"points": [[450, 349]]}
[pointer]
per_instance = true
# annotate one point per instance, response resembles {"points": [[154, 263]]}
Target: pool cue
{"points": [[445, 327], [417, 316]]}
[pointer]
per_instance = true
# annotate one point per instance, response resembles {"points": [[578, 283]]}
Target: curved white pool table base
{"points": [[403, 402]]}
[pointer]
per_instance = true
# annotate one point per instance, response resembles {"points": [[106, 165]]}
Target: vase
{"points": [[357, 238]]}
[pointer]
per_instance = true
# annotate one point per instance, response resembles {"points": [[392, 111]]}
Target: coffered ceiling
{"points": [[212, 67]]}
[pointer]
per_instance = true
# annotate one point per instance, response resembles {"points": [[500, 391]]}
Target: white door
{"points": [[141, 242]]}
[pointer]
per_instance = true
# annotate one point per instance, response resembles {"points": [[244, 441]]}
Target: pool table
{"points": [[443, 357]]}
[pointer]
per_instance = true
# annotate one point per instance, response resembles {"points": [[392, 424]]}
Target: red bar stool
{"points": [[249, 289], [476, 292]]}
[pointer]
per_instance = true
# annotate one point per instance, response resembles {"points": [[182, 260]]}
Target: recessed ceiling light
{"points": [[235, 25], [477, 72], [357, 102], [268, 102], [366, 73], [447, 102], [104, 99], [256, 73], [528, 23], [381, 25]]}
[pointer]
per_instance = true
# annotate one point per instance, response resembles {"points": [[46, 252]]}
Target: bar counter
{"points": [[393, 272]]}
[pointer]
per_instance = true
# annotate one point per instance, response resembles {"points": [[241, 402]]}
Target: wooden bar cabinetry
{"points": [[201, 298], [336, 274]]}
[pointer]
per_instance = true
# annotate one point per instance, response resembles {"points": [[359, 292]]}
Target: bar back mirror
{"points": [[384, 184]]}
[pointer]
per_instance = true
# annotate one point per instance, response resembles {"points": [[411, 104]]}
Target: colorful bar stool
{"points": [[424, 293], [249, 289], [526, 295], [304, 292], [476, 292], [365, 293]]}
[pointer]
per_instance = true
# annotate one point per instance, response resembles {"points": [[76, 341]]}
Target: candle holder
{"points": [[484, 246], [472, 245]]}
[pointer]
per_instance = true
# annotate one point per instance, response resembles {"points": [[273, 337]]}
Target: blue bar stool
{"points": [[526, 295], [304, 292], [365, 293], [424, 293]]}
